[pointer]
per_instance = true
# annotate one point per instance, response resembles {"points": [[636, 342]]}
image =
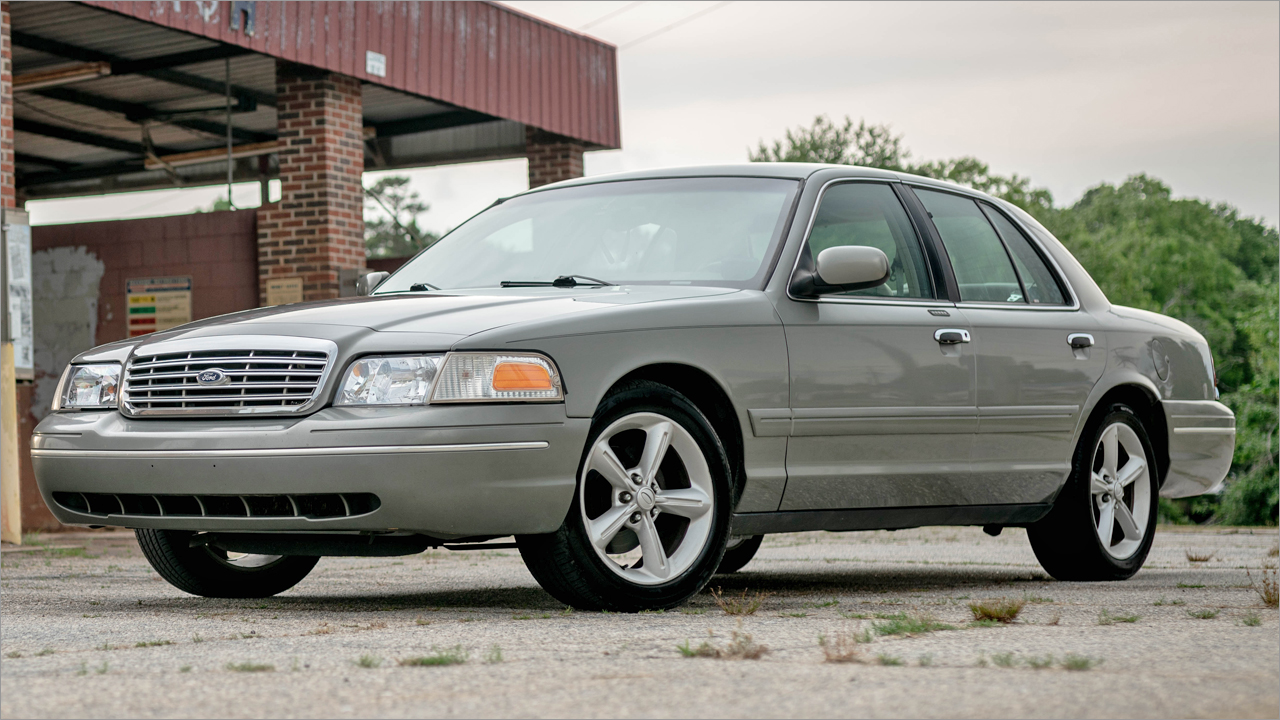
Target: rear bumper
{"points": [[1202, 440], [446, 471]]}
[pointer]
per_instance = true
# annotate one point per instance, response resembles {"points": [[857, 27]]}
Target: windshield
{"points": [[685, 231]]}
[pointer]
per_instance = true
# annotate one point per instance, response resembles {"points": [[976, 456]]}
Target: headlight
{"points": [[89, 386], [396, 380], [481, 377]]}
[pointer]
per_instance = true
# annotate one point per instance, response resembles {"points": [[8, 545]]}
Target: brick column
{"points": [[317, 227], [8, 197], [552, 158]]}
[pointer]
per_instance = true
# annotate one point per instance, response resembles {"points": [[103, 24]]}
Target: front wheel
{"points": [[213, 572], [738, 552], [650, 516], [1103, 522]]}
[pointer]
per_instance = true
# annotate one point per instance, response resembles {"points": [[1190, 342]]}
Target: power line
{"points": [[613, 14], [674, 25]]}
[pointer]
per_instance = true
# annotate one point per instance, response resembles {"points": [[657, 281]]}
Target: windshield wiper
{"points": [[564, 281]]}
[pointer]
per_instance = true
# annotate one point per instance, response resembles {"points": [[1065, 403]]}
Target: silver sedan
{"points": [[639, 376]]}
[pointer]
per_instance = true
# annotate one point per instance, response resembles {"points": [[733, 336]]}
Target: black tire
{"points": [[737, 556], [566, 564], [207, 572], [1066, 541]]}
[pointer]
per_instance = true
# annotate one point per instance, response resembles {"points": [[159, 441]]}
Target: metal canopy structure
{"points": [[123, 96]]}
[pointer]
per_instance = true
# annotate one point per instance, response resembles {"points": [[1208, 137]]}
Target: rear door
{"points": [[1031, 382], [882, 414]]}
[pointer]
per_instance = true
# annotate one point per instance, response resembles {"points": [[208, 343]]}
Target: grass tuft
{"points": [[1162, 601], [455, 655], [741, 605], [1251, 620], [1199, 557], [1106, 618], [1078, 663], [1205, 614], [909, 624], [1003, 610], [1004, 660], [1036, 662], [1190, 586], [742, 646], [1266, 589], [369, 661], [153, 643], [843, 647], [889, 660], [494, 656], [250, 667]]}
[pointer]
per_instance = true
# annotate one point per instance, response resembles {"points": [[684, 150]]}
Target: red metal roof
{"points": [[476, 55]]}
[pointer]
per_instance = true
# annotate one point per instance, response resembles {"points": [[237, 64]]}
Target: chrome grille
{"points": [[251, 381]]}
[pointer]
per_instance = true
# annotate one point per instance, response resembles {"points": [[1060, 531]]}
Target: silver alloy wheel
{"points": [[646, 497], [1120, 486]]}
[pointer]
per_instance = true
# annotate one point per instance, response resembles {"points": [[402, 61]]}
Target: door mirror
{"points": [[366, 283], [841, 269]]}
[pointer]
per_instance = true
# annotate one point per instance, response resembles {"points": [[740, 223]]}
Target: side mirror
{"points": [[366, 283], [841, 269]]}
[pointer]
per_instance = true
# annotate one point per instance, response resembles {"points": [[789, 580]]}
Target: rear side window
{"points": [[1039, 282], [982, 267], [869, 214]]}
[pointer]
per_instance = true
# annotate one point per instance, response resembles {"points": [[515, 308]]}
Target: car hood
{"points": [[450, 315]]}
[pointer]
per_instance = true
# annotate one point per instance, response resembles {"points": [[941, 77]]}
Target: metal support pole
{"points": [[231, 163]]}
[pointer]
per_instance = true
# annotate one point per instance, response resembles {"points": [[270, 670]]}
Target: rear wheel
{"points": [[213, 572], [1102, 525], [739, 551], [650, 516]]}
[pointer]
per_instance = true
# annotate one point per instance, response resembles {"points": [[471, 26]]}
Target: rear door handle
{"points": [[1080, 341], [951, 336]]}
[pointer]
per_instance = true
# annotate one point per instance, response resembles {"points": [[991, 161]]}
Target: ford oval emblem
{"points": [[212, 376]]}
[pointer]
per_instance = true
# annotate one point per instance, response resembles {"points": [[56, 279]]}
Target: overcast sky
{"points": [[1069, 94]]}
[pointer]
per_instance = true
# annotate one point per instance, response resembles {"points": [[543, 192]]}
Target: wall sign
{"points": [[375, 63], [157, 304], [282, 291], [15, 291]]}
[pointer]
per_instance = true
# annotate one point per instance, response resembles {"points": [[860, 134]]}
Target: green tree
{"points": [[395, 232], [877, 146]]}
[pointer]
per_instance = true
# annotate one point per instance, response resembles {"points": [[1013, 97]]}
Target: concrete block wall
{"points": [[7, 196]]}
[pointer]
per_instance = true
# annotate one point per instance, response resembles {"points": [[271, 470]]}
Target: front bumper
{"points": [[446, 471], [1202, 440]]}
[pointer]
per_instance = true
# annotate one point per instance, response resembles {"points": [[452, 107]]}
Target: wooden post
{"points": [[10, 483]]}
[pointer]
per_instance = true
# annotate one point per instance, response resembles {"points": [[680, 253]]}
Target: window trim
{"points": [[1052, 263], [925, 246], [987, 208]]}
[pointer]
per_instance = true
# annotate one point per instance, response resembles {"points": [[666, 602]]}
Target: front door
{"points": [[882, 413], [1038, 354]]}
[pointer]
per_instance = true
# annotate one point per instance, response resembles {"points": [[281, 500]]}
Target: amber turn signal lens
{"points": [[521, 376]]}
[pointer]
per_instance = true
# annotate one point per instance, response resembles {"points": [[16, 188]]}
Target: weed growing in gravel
{"points": [[693, 611], [1205, 614], [1162, 601], [1003, 610], [1004, 660], [13, 655], [843, 646], [105, 646], [1266, 589], [103, 668], [742, 646], [1040, 663], [829, 603], [1251, 620], [1198, 557], [184, 669], [706, 649], [1037, 600], [742, 605], [46, 651], [1189, 586], [982, 660], [152, 643], [1077, 663], [1274, 551], [420, 621], [455, 655], [795, 615], [494, 656], [986, 623], [854, 616], [889, 660], [925, 660], [1106, 618], [250, 667], [909, 624], [369, 661]]}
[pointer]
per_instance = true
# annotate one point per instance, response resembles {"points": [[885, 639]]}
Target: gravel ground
{"points": [[88, 630]]}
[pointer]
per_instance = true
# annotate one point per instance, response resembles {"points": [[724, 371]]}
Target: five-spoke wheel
{"points": [[1121, 490]]}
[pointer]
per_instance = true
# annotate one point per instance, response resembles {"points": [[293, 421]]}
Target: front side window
{"points": [[870, 214], [1041, 286], [716, 231], [982, 267]]}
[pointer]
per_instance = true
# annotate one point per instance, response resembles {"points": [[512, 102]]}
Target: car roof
{"points": [[783, 170]]}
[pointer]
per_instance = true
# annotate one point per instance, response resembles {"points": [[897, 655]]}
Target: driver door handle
{"points": [[951, 336]]}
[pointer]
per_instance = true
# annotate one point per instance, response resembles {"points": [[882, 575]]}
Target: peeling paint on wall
{"points": [[65, 295]]}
